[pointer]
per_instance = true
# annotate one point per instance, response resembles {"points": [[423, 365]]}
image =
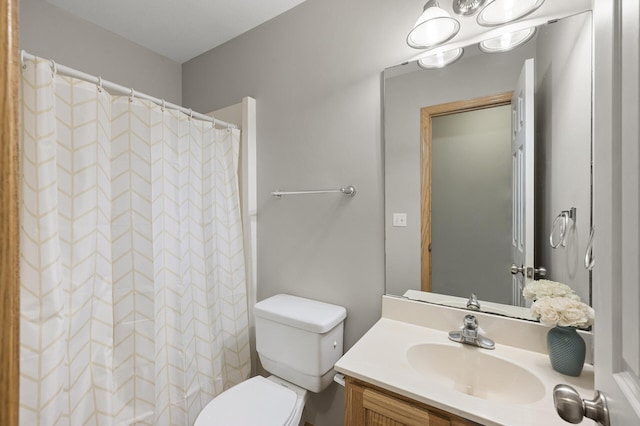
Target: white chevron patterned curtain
{"points": [[133, 299]]}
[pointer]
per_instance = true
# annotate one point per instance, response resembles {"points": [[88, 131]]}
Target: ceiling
{"points": [[183, 29], [177, 29]]}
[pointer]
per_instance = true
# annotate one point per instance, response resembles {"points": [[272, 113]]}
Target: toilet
{"points": [[298, 341]]}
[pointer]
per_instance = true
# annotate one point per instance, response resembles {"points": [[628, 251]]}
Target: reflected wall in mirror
{"points": [[563, 58]]}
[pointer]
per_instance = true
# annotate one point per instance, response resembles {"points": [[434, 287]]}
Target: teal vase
{"points": [[566, 350]]}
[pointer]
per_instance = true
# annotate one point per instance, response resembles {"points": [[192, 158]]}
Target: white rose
{"points": [[572, 316], [589, 313], [545, 311], [529, 292], [545, 288], [563, 311]]}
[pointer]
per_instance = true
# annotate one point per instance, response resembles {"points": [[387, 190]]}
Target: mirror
{"points": [[468, 237]]}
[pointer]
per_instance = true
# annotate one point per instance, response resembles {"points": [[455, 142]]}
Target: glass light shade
{"points": [[507, 41], [433, 27], [499, 12], [440, 60]]}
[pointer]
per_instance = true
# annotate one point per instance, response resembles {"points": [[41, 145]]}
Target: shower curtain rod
{"points": [[113, 87]]}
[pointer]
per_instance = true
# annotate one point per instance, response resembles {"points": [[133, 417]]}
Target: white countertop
{"points": [[379, 358]]}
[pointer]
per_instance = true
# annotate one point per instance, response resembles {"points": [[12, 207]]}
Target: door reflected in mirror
{"points": [[466, 195], [562, 175]]}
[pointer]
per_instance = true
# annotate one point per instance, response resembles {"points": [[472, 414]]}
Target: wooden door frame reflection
{"points": [[426, 140]]}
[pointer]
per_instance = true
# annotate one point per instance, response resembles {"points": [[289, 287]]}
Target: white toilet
{"points": [[298, 340]]}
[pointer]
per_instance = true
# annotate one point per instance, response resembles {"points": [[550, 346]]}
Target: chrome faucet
{"points": [[473, 302], [470, 335]]}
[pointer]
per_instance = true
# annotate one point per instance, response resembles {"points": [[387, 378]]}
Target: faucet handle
{"points": [[470, 328], [470, 334], [470, 321]]}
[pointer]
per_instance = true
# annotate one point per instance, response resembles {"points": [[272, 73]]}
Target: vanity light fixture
{"points": [[440, 59], [507, 41], [433, 27], [498, 12]]}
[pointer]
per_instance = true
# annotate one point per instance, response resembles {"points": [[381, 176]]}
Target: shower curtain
{"points": [[133, 297]]}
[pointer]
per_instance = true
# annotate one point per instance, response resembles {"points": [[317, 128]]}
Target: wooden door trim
{"points": [[426, 116], [9, 217]]}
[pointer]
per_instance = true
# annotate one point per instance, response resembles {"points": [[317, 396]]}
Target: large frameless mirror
{"points": [[450, 207]]}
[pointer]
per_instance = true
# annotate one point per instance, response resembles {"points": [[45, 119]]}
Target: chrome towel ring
{"points": [[562, 224]]}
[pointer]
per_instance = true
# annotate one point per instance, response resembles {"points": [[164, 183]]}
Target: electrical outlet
{"points": [[399, 219]]}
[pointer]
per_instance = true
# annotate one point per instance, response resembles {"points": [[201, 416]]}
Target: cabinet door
{"points": [[384, 410], [368, 405]]}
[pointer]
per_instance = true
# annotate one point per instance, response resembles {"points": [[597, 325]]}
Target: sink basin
{"points": [[473, 371]]}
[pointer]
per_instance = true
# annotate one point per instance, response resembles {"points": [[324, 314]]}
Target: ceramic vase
{"points": [[567, 350]]}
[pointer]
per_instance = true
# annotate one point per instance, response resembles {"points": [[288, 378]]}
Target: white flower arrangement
{"points": [[562, 311], [545, 288], [556, 304]]}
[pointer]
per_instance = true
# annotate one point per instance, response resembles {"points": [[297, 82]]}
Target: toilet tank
{"points": [[299, 339]]}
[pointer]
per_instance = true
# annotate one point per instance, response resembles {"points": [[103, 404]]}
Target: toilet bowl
{"points": [[298, 340]]}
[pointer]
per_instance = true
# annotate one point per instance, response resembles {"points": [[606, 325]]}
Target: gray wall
{"points": [[563, 113], [471, 204], [315, 73], [405, 94], [52, 33]]}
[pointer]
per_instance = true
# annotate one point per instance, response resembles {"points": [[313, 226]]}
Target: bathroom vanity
{"points": [[406, 371]]}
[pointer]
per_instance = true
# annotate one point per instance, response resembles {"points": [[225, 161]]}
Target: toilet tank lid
{"points": [[306, 314]]}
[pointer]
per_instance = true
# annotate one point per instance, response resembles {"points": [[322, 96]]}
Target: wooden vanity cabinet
{"points": [[369, 405]]}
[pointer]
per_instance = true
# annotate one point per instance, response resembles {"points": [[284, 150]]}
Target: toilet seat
{"points": [[257, 401]]}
